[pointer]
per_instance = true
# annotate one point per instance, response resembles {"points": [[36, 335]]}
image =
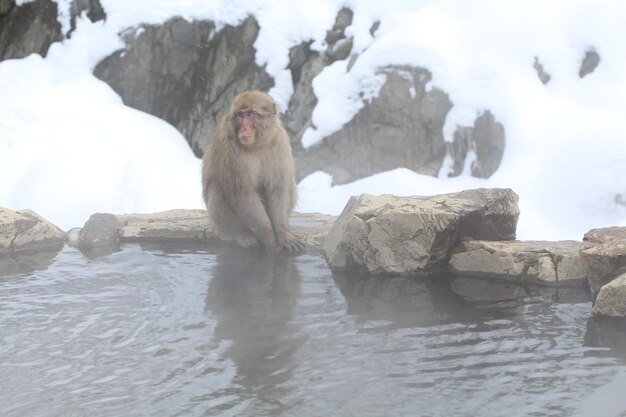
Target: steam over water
{"points": [[178, 331]]}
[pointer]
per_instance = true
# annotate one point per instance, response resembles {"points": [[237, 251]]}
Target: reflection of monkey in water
{"points": [[248, 175], [253, 297]]}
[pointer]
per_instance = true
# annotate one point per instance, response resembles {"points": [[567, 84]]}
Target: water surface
{"points": [[179, 331]]}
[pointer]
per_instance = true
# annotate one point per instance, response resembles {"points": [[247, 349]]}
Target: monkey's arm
{"points": [[280, 200], [248, 207]]}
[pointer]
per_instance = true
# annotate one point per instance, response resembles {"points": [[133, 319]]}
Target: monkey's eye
{"points": [[246, 114]]}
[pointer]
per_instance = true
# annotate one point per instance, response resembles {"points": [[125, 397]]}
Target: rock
{"points": [[172, 224], [100, 229], [611, 299], [185, 225], [29, 28], [91, 8], [552, 263], [26, 230], [401, 127], [312, 228], [306, 64], [541, 72], [408, 235], [5, 6], [186, 73], [485, 140], [72, 237], [603, 256], [374, 28], [590, 62], [33, 26]]}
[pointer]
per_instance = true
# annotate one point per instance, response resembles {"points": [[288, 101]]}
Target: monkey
{"points": [[248, 175]]}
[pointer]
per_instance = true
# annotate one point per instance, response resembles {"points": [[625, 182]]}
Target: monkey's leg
{"points": [[279, 203], [229, 224], [249, 209]]}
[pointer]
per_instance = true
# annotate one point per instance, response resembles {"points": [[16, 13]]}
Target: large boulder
{"points": [[407, 235], [603, 256], [552, 263], [26, 230], [611, 299]]}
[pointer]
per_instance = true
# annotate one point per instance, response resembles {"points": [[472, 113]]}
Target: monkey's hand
{"points": [[289, 242]]}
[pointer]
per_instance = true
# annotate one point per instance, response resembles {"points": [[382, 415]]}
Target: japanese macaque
{"points": [[248, 175]]}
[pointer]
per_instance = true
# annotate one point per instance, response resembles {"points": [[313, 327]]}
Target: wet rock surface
{"points": [[603, 256], [552, 263], [611, 299]]}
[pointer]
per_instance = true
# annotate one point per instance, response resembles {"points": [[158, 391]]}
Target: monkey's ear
{"points": [[272, 109]]}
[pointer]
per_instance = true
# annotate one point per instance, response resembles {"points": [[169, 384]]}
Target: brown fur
{"points": [[250, 188]]}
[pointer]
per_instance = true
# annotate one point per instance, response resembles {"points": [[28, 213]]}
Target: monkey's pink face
{"points": [[245, 120]]}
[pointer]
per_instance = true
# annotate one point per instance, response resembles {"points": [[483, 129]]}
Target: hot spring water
{"points": [[181, 331]]}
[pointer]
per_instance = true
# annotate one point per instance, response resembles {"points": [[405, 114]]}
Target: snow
{"points": [[69, 147]]}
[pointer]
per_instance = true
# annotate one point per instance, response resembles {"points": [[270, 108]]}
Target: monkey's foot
{"points": [[246, 240], [291, 243]]}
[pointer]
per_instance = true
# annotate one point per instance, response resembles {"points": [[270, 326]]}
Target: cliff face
{"points": [[28, 29], [188, 72], [34, 26]]}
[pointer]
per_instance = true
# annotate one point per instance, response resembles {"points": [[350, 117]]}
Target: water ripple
{"points": [[191, 332]]}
